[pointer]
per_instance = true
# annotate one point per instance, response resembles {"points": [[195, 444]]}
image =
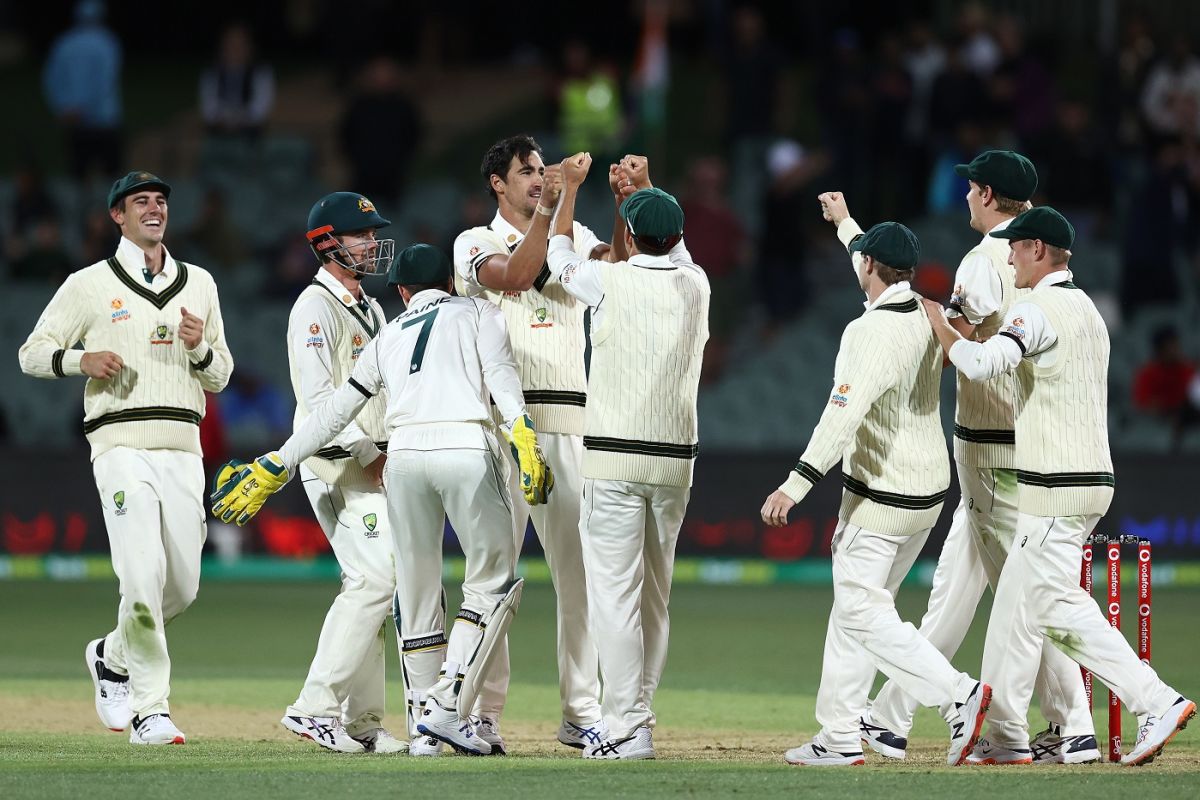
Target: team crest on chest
{"points": [[161, 335], [539, 319]]}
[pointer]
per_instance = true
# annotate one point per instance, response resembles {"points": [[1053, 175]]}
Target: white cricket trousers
{"points": [[865, 633], [154, 514], [980, 537], [346, 678], [629, 531], [1039, 596], [557, 526], [423, 488]]}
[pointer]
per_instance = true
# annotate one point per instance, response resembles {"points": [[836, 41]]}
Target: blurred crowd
{"points": [[882, 115]]}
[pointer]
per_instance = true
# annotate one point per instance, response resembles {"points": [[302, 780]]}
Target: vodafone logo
{"points": [[1143, 555], [1144, 610], [1087, 555], [1114, 609]]}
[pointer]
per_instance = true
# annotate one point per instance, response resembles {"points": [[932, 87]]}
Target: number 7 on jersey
{"points": [[426, 323]]}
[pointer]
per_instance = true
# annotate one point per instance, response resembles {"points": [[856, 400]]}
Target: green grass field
{"points": [[739, 690]]}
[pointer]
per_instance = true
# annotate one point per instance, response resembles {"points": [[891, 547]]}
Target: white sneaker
{"points": [[818, 755], [446, 725], [582, 735], [993, 754], [882, 740], [112, 690], [1051, 747], [425, 746], [638, 745], [965, 728], [1157, 731], [380, 741], [488, 729], [155, 729], [328, 732]]}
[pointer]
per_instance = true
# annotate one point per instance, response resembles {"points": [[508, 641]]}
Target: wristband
{"points": [[545, 212]]}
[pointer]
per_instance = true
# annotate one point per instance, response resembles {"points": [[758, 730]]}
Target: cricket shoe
{"points": [[1051, 747], [1157, 731], [883, 741], [446, 725], [638, 745], [818, 755], [380, 741], [994, 755], [328, 732], [965, 728], [488, 729], [425, 746], [582, 735], [155, 729], [112, 690]]}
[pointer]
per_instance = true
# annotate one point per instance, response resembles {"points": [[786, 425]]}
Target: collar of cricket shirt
{"points": [[1058, 276], [897, 293], [335, 287], [505, 230], [1001, 225], [133, 260], [647, 261]]}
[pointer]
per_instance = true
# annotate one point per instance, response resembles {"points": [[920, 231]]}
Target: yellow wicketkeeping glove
{"points": [[536, 479], [240, 489]]}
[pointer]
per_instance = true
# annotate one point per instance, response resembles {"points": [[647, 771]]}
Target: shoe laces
{"points": [[120, 691], [1145, 728]]}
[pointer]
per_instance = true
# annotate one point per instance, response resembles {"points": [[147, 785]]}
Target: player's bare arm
{"points": [[624, 178], [575, 169], [517, 271], [942, 329]]}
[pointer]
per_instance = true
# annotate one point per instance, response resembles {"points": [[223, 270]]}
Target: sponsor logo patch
{"points": [[1016, 328], [567, 274], [540, 315], [314, 329], [120, 315], [117, 304], [959, 297], [119, 500], [474, 251]]}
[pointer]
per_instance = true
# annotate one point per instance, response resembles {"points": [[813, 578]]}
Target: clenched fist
{"points": [[575, 168], [191, 329], [102, 365], [833, 207]]}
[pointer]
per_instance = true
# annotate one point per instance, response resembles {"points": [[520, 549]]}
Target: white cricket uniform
{"points": [[882, 421], [327, 331], [545, 326], [143, 428], [1057, 343], [649, 327], [438, 362], [985, 521]]}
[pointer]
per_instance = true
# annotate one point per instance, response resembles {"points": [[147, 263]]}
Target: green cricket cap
{"points": [[1010, 174], [652, 214], [1040, 222], [889, 243], [136, 182], [419, 263]]}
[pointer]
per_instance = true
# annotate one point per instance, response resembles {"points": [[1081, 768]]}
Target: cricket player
{"points": [[882, 422], [649, 327], [153, 342], [1056, 343], [505, 262], [341, 706], [439, 361], [981, 532]]}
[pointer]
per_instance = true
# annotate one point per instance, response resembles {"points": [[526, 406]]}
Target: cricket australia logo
{"points": [[371, 520], [161, 335], [540, 315], [119, 501]]}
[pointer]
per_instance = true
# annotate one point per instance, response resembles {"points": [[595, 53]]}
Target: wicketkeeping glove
{"points": [[536, 479], [239, 489]]}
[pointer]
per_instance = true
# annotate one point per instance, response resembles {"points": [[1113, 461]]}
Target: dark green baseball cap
{"points": [[1010, 174], [889, 243], [420, 263], [653, 214], [1040, 222], [341, 212], [136, 182]]}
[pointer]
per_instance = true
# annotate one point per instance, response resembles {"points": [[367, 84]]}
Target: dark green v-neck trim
{"points": [[371, 326], [1066, 285], [158, 299]]}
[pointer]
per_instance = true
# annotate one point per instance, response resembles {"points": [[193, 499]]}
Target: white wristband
{"points": [[545, 212]]}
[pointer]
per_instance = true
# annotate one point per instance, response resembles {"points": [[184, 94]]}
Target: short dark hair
{"points": [[656, 247], [500, 155], [890, 275], [413, 288]]}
